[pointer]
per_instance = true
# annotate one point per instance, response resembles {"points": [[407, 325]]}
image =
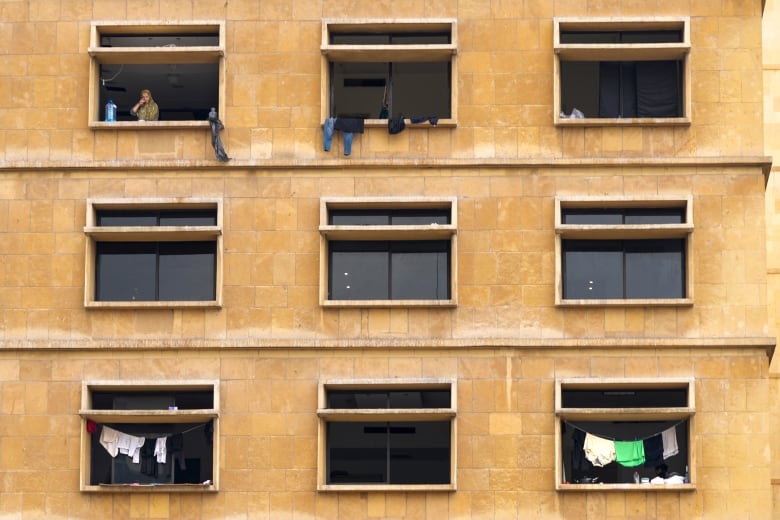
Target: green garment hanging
{"points": [[630, 453]]}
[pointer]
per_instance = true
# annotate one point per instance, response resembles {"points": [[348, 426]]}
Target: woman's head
{"points": [[146, 94]]}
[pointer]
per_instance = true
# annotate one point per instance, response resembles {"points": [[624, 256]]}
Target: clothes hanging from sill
{"points": [[216, 142], [431, 119], [396, 125], [630, 453], [347, 126], [599, 451]]}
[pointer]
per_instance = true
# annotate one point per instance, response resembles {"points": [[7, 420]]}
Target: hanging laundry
{"points": [[216, 142], [669, 439], [116, 442], [396, 125], [578, 460], [630, 453], [598, 451], [431, 119], [347, 126], [654, 451], [159, 450]]}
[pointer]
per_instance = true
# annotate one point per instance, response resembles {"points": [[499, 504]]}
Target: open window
{"points": [[181, 64], [388, 251], [624, 434], [624, 251], [622, 71], [153, 253], [387, 435], [149, 436], [376, 69]]}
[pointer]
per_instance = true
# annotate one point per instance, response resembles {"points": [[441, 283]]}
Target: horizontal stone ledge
{"points": [[763, 162], [764, 343]]}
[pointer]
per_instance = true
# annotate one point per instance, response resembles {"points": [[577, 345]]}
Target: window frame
{"points": [[390, 53], [86, 412], [622, 52], [326, 415], [624, 414], [330, 232], [96, 234], [620, 232], [158, 55]]}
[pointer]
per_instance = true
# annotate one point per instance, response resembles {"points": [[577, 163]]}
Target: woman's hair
{"points": [[146, 91]]}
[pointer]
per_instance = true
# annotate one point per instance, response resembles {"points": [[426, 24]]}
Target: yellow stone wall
{"points": [[268, 441], [506, 261], [273, 82], [271, 343]]}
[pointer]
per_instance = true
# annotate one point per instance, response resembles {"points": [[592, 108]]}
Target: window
{"points": [[377, 69], [149, 436], [380, 252], [622, 71], [653, 419], [624, 251], [161, 253], [181, 64], [387, 435]]}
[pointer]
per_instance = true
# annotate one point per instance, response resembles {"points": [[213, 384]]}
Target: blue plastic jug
{"points": [[110, 112]]}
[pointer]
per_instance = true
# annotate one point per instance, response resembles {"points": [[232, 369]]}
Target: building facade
{"points": [[429, 259]]}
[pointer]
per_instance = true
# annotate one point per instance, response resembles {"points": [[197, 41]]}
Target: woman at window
{"points": [[146, 109]]}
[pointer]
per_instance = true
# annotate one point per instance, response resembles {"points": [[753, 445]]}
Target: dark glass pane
{"points": [[187, 271], [125, 271], [603, 216], [152, 400], [668, 36], [357, 453], [159, 40], [592, 269], [356, 399], [420, 39], [655, 269], [420, 217], [349, 217], [655, 216], [189, 218], [625, 398], [420, 275], [411, 269], [420, 399], [359, 270], [618, 216], [420, 453], [383, 217], [107, 218], [389, 38], [382, 399], [359, 39]]}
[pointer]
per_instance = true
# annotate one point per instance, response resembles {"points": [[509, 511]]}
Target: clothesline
{"points": [[569, 423]]}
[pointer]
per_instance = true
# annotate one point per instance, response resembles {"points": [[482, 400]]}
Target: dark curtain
{"points": [[658, 92]]}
